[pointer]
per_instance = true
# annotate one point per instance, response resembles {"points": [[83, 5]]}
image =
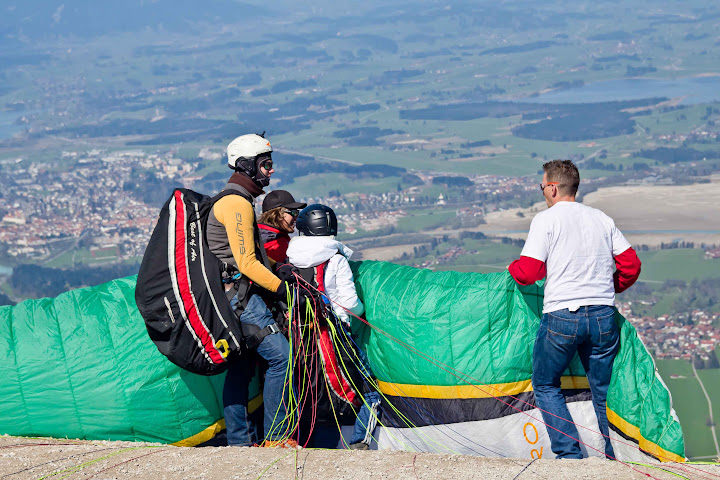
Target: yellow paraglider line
{"points": [[462, 376], [370, 381], [375, 385], [473, 391], [440, 447], [289, 418], [310, 312]]}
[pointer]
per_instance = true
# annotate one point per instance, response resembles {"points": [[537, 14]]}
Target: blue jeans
{"points": [[370, 411], [275, 349], [591, 332]]}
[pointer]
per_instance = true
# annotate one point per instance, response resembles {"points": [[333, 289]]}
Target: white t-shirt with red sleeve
{"points": [[578, 245]]}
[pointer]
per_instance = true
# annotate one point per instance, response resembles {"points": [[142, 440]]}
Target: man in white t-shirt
{"points": [[586, 261]]}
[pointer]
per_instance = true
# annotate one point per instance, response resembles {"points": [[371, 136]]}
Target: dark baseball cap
{"points": [[281, 198]]}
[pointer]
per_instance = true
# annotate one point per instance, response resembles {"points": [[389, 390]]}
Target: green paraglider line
{"points": [[376, 386], [126, 461], [56, 460], [401, 415], [310, 312], [74, 469], [441, 365], [295, 338], [445, 367], [304, 393], [288, 418], [660, 468], [437, 363], [276, 461]]}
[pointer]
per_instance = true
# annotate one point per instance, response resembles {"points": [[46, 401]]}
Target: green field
{"points": [[690, 405], [680, 263], [711, 380], [686, 264], [320, 185], [422, 221], [664, 304], [492, 256]]}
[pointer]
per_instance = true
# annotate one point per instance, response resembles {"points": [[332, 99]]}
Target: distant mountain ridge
{"points": [[42, 19]]}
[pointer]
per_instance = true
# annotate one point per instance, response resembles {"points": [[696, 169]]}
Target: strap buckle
{"points": [[253, 340]]}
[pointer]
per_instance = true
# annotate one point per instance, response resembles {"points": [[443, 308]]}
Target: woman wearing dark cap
{"points": [[277, 222]]}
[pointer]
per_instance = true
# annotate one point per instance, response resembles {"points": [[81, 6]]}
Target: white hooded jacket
{"points": [[304, 252]]}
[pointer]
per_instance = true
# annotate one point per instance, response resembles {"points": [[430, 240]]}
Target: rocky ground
{"points": [[52, 459]]}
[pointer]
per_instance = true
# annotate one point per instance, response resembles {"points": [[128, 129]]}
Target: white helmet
{"points": [[247, 147], [246, 153]]}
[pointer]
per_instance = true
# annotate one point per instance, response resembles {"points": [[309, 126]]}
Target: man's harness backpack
{"points": [[180, 291]]}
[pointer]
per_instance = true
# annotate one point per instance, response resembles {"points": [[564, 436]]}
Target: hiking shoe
{"points": [[358, 446], [285, 443]]}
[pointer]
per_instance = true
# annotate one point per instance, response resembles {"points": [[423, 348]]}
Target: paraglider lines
{"points": [[69, 471], [352, 353], [126, 461], [276, 461], [51, 461], [374, 384], [342, 342], [478, 385], [417, 408]]}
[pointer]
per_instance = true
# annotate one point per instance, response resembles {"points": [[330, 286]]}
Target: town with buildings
{"points": [[681, 336], [47, 206], [101, 205], [103, 197]]}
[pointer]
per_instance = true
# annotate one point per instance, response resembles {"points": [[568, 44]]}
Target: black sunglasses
{"points": [[544, 185], [293, 213], [267, 165]]}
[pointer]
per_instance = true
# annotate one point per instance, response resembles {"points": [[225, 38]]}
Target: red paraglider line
{"points": [[312, 370], [478, 386], [18, 445], [126, 461]]}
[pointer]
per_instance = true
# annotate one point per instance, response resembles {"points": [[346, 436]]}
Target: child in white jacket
{"points": [[316, 245]]}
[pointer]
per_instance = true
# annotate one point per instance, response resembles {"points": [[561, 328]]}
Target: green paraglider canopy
{"points": [[451, 352], [82, 366], [457, 348]]}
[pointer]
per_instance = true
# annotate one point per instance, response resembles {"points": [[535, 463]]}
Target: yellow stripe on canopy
{"points": [[474, 391]]}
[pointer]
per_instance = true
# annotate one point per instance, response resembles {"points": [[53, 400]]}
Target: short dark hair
{"points": [[565, 173]]}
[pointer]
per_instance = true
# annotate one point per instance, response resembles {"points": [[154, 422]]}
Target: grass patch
{"points": [[420, 222], [681, 264], [689, 403], [711, 380], [321, 185], [664, 304], [63, 260]]}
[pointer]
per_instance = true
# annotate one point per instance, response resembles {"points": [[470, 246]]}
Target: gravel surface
{"points": [[54, 459]]}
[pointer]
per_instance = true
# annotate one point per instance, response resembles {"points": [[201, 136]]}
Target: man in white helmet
{"points": [[233, 237]]}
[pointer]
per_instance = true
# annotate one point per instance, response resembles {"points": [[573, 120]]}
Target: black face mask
{"points": [[259, 178]]}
